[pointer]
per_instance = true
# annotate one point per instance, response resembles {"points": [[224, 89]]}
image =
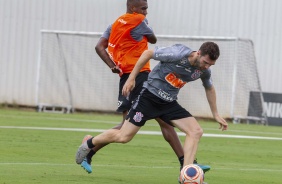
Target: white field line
{"points": [[140, 132], [115, 123], [137, 166]]}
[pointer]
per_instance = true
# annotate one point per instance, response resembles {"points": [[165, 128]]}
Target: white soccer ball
{"points": [[192, 174]]}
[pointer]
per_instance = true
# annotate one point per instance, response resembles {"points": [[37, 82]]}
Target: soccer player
{"points": [[178, 65], [126, 39]]}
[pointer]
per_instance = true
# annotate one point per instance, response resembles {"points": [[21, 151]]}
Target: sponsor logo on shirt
{"points": [[122, 21], [164, 54], [165, 95], [111, 45]]}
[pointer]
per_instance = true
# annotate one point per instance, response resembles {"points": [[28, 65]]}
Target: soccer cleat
{"points": [[86, 165], [82, 152], [205, 168]]}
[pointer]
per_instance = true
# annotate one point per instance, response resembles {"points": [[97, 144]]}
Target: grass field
{"points": [[40, 148]]}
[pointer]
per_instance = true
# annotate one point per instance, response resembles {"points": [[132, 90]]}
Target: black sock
{"points": [[90, 154], [90, 144], [181, 160]]}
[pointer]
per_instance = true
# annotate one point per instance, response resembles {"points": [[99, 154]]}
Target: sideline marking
{"points": [[115, 123], [139, 166], [141, 132]]}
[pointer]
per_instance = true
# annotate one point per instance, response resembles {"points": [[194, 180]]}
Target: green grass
{"points": [[47, 156]]}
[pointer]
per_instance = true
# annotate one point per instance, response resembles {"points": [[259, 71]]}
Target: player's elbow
{"points": [[152, 39], [98, 49], [101, 46]]}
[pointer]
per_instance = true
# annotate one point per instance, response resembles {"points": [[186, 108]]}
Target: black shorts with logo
{"points": [[148, 106], [124, 103]]}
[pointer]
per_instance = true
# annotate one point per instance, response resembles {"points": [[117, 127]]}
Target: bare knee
{"points": [[126, 133], [123, 138], [190, 127], [197, 133]]}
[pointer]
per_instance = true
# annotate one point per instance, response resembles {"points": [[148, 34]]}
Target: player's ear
{"points": [[132, 8]]}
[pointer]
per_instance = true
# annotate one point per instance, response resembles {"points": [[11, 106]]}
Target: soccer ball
{"points": [[191, 174]]}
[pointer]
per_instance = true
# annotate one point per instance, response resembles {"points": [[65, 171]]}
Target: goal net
{"points": [[72, 76]]}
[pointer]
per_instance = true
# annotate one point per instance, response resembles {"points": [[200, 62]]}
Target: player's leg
{"points": [[135, 119], [86, 164], [172, 138], [124, 135], [98, 147], [123, 106], [193, 132], [175, 111]]}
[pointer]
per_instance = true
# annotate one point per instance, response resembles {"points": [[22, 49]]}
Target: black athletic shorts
{"points": [[124, 103], [148, 106]]}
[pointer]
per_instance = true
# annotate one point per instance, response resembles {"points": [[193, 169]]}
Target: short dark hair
{"points": [[133, 2], [211, 49]]}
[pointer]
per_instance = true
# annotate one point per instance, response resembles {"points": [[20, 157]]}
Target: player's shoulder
{"points": [[131, 17], [206, 72], [180, 46], [139, 17]]}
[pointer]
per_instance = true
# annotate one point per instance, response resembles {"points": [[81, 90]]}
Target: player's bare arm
{"points": [[130, 83], [100, 48], [152, 38], [211, 96]]}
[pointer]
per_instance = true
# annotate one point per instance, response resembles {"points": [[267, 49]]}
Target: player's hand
{"points": [[116, 69], [223, 125], [128, 87]]}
